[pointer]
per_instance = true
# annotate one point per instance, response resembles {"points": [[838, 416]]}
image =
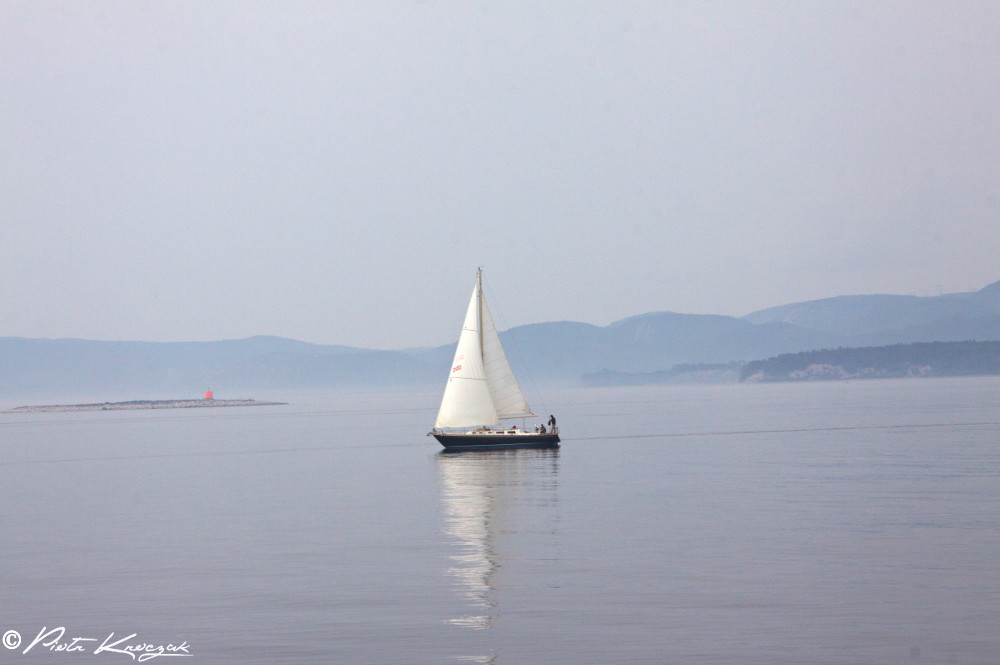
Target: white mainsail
{"points": [[481, 389]]}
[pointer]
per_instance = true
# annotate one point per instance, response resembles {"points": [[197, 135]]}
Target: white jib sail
{"points": [[481, 388], [467, 401]]}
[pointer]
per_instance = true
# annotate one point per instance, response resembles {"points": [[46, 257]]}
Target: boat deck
{"points": [[493, 439]]}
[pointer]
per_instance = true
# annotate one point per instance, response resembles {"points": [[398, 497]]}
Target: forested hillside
{"points": [[897, 360]]}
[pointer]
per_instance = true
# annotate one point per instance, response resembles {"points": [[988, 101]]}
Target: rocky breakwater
{"points": [[136, 405]]}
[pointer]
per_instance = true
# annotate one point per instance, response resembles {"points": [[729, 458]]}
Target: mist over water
{"points": [[850, 522]]}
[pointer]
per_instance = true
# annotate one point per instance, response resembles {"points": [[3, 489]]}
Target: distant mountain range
{"points": [[542, 353], [886, 319]]}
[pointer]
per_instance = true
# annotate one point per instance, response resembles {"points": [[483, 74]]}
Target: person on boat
{"points": [[542, 428], [552, 421]]}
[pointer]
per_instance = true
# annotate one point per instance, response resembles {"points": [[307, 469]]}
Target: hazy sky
{"points": [[335, 171]]}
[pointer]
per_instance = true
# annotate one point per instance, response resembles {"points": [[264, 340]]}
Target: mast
{"points": [[479, 298]]}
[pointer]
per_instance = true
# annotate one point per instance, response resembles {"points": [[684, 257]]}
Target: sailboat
{"points": [[482, 391]]}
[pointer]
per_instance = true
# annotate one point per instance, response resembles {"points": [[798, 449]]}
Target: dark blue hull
{"points": [[456, 442]]}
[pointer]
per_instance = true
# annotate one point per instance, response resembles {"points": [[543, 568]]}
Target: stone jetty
{"points": [[136, 405]]}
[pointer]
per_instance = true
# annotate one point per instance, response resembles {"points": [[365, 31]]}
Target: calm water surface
{"points": [[834, 523]]}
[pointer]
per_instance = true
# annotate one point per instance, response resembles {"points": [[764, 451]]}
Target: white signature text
{"points": [[55, 641]]}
